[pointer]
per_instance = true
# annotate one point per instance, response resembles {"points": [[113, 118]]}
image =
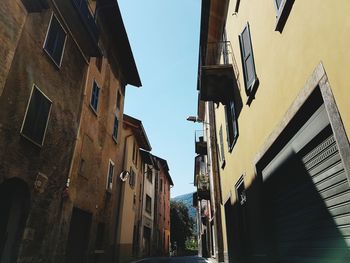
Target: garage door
{"points": [[306, 198]]}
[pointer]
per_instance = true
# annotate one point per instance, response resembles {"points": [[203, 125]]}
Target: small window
{"points": [[283, 9], [231, 124], [161, 185], [148, 204], [240, 192], [55, 41], [110, 174], [94, 96], [248, 64], [132, 178], [37, 117], [221, 148], [115, 128], [149, 174], [118, 100]]}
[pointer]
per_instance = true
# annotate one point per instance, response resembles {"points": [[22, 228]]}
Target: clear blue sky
{"points": [[164, 36]]}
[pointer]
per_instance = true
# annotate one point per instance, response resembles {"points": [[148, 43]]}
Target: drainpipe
{"points": [[120, 195]]}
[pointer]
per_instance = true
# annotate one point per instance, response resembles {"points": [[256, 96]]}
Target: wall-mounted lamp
{"points": [[196, 119]]}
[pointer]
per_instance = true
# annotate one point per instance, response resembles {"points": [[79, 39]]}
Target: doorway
{"points": [[14, 207], [78, 239]]}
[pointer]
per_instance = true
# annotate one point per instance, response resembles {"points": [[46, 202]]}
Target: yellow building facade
{"points": [[281, 125]]}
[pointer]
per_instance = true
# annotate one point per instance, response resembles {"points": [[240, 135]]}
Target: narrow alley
{"points": [[181, 131]]}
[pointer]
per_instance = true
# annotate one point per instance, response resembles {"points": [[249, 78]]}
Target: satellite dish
{"points": [[124, 175]]}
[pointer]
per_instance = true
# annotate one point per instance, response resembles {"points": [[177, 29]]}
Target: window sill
{"points": [[32, 141], [93, 110], [58, 66], [115, 140]]}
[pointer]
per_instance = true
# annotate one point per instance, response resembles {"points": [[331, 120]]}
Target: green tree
{"points": [[181, 225]]}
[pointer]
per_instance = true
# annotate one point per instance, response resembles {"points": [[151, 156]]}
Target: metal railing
{"points": [[218, 53]]}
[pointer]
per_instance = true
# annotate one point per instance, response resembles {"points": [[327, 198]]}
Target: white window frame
{"points": [[64, 44], [109, 185], [25, 116]]}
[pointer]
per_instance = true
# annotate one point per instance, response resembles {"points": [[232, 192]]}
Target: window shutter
{"points": [[247, 59], [222, 151], [278, 3], [37, 117]]}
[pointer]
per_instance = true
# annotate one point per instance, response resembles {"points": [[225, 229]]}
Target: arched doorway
{"points": [[14, 206]]}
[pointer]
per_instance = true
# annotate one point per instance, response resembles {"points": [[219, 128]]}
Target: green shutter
{"points": [[247, 59]]}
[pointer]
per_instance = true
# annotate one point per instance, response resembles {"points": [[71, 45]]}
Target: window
{"points": [[231, 124], [148, 204], [115, 128], [283, 8], [149, 174], [161, 185], [133, 151], [247, 60], [37, 117], [94, 96], [132, 178], [221, 148], [55, 41], [110, 174], [118, 100]]}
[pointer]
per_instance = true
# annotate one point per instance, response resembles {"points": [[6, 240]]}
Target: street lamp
{"points": [[197, 120], [194, 119]]}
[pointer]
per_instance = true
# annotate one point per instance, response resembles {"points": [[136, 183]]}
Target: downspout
{"points": [[119, 200]]}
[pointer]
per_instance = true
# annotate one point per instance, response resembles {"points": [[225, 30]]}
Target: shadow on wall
{"points": [[286, 219]]}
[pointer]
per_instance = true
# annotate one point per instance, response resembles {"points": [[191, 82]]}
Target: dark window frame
{"points": [[249, 85], [282, 13], [22, 131], [231, 125], [45, 46], [94, 98], [115, 128], [148, 208]]}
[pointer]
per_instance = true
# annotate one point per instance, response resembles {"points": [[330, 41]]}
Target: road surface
{"points": [[193, 259]]}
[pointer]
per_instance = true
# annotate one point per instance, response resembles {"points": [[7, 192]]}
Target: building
{"points": [[132, 239], [46, 49], [62, 89], [281, 125], [163, 183], [94, 187]]}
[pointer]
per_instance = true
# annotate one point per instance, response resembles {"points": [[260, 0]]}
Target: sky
{"points": [[164, 37]]}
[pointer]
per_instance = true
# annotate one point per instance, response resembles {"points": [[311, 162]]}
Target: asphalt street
{"points": [[193, 259]]}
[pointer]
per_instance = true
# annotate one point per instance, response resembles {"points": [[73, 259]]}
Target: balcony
{"points": [[201, 178], [218, 73], [35, 5], [200, 143], [80, 20]]}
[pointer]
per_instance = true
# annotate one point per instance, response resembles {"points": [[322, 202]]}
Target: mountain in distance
{"points": [[187, 200]]}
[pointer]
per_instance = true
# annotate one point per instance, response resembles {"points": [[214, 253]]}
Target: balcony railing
{"points": [[200, 143], [86, 16], [218, 73], [201, 178]]}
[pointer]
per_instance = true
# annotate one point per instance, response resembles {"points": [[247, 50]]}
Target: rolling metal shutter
{"points": [[306, 197]]}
